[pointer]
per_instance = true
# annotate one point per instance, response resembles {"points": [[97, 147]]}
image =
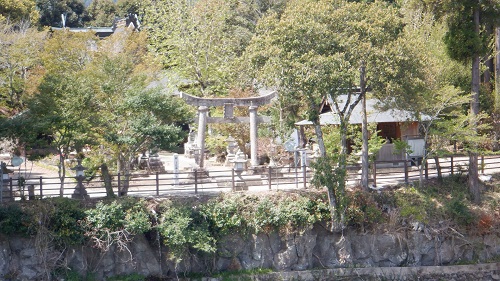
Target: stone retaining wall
{"points": [[407, 253]]}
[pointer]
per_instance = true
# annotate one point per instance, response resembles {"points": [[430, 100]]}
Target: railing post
{"points": [[232, 180], [269, 177], [195, 181], [426, 169], [119, 184], [375, 173], [41, 189], [11, 191], [482, 164], [406, 171], [451, 163], [303, 160], [157, 184], [304, 175]]}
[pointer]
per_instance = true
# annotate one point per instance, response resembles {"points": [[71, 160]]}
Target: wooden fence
{"points": [[225, 180]]}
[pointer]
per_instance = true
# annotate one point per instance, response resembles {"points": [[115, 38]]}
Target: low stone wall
{"points": [[477, 272], [293, 255]]}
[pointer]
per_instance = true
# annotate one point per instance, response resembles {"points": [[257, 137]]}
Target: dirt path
{"points": [[34, 170]]}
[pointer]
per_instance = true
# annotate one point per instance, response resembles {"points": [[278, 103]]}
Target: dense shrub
{"points": [[183, 228], [459, 212], [413, 205], [225, 214], [253, 214], [128, 214], [13, 220], [115, 223], [64, 221], [362, 209]]}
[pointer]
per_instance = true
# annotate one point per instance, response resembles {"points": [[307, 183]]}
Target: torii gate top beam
{"points": [[255, 101]]}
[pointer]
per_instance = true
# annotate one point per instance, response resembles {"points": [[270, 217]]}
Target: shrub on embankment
{"points": [[189, 226], [197, 223]]}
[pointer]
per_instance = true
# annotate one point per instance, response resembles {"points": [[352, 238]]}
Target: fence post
{"points": [[426, 169], [119, 185], [157, 184], [232, 180], [41, 189], [303, 160], [195, 181], [451, 163], [304, 174], [31, 192], [482, 164], [406, 171], [374, 173], [11, 191], [269, 177]]}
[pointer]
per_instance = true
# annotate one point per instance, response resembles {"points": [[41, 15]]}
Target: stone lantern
{"points": [[231, 148], [80, 192]]}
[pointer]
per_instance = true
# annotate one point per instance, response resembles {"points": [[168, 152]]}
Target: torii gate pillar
{"points": [[253, 135], [202, 125]]}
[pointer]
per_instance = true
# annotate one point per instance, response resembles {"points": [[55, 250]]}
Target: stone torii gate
{"points": [[229, 103]]}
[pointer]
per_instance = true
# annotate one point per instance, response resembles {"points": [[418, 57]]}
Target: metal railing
{"points": [[227, 180], [406, 171], [162, 184]]}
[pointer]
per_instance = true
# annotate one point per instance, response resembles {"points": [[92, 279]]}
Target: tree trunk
{"points": [[364, 129], [61, 172], [321, 142], [473, 181], [107, 180], [497, 69], [421, 172], [438, 169], [124, 166], [343, 136]]}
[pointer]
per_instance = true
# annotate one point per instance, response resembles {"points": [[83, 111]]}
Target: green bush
{"points": [[253, 214], [413, 205], [183, 228], [225, 214], [62, 217], [128, 214], [13, 220], [288, 212], [459, 212], [362, 210]]}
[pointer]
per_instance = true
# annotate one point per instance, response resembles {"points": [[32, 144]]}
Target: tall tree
{"points": [[18, 10], [64, 105], [51, 11], [466, 42], [133, 115], [20, 47], [101, 13], [315, 49], [203, 40], [440, 96]]}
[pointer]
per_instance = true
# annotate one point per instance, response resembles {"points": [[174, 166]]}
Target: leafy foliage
{"points": [[333, 177], [51, 11], [20, 48], [129, 214], [182, 228], [19, 10], [13, 220], [59, 219], [362, 209]]}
